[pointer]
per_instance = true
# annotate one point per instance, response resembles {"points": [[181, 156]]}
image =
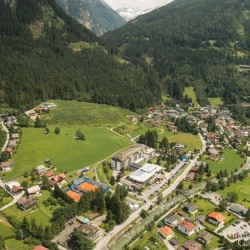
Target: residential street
{"points": [[102, 245]]}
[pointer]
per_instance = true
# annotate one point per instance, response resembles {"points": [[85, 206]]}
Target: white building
{"points": [[145, 173], [134, 154]]}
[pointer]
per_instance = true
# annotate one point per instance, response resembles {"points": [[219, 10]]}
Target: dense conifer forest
{"points": [[37, 64], [192, 42]]}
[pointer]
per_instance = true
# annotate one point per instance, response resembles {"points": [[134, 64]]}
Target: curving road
{"points": [[102, 245]]}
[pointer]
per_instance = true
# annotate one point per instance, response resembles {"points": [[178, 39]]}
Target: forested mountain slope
{"points": [[38, 62], [93, 14], [192, 42]]}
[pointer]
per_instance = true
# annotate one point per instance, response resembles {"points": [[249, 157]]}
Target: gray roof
{"points": [[206, 236], [191, 207], [172, 218]]}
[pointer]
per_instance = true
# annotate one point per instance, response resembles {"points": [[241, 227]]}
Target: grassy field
{"points": [[5, 228], [230, 161], [192, 141], [82, 113], [189, 91], [242, 189], [215, 101], [65, 153], [42, 214], [5, 198], [145, 241], [14, 244]]}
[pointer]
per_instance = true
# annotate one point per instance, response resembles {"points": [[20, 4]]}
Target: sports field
{"points": [[65, 152], [242, 189], [230, 161]]}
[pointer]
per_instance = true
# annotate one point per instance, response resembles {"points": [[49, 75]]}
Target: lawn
{"points": [[215, 101], [14, 244], [189, 91], [5, 198], [82, 113], [192, 141], [144, 241], [65, 153], [230, 161], [140, 129], [42, 214], [241, 188], [5, 228]]}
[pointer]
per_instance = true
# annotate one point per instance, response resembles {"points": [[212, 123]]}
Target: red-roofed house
{"points": [[167, 232], [59, 178], [216, 218], [49, 175], [187, 227]]}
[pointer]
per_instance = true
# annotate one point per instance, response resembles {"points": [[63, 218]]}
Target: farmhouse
{"points": [[205, 238], [32, 191], [5, 166], [132, 155], [166, 232], [216, 218], [187, 227], [57, 179], [144, 174], [14, 187], [27, 204]]}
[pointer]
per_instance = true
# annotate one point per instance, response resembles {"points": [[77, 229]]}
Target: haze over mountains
{"points": [[96, 15]]}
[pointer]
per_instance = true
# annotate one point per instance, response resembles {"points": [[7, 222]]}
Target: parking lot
{"points": [[239, 229]]}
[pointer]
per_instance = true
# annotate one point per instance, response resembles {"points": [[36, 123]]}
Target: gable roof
{"points": [[33, 190], [189, 226], [206, 236], [217, 216], [166, 230]]}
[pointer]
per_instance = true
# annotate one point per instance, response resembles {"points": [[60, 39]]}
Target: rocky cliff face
{"points": [[96, 15]]}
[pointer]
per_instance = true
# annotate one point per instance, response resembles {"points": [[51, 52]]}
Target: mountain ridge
{"points": [[96, 15], [192, 43]]}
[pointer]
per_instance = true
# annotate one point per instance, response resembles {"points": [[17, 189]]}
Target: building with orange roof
{"points": [[87, 187], [216, 218], [73, 195], [167, 232]]}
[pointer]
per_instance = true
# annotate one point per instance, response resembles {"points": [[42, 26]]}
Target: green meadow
{"points": [[230, 161], [65, 152]]}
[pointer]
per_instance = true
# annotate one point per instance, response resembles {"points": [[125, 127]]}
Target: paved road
{"points": [[15, 197], [102, 245], [8, 137]]}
